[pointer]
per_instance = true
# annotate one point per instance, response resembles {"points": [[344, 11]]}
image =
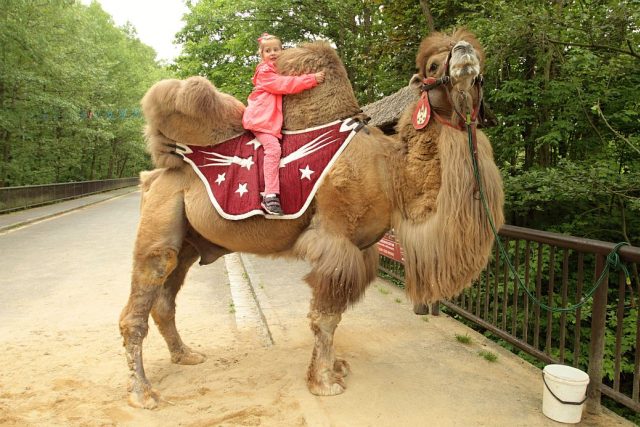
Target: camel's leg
{"points": [[326, 372], [333, 291], [164, 309], [160, 234]]}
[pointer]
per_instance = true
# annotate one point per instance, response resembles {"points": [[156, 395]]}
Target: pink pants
{"points": [[271, 166]]}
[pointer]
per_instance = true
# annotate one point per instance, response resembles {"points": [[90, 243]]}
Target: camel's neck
{"points": [[442, 103], [417, 168]]}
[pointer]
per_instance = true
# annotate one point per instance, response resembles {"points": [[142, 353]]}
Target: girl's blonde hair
{"points": [[265, 37]]}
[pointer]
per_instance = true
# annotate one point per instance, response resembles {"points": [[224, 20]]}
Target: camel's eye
{"points": [[433, 68]]}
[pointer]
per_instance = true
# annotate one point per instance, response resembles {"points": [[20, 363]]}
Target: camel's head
{"points": [[457, 56]]}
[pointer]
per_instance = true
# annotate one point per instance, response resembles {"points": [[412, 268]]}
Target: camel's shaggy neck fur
{"points": [[440, 222]]}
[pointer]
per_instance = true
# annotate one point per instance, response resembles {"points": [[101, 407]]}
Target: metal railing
{"points": [[600, 337], [28, 196]]}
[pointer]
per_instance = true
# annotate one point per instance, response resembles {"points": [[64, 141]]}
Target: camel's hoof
{"points": [[188, 357], [148, 398], [341, 367], [331, 387]]}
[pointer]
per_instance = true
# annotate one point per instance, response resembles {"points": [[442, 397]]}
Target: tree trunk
{"points": [[124, 163], [527, 133], [426, 11]]}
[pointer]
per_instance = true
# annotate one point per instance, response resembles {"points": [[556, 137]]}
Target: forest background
{"points": [[561, 77]]}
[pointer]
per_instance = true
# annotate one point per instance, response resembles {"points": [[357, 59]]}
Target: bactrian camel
{"points": [[420, 184]]}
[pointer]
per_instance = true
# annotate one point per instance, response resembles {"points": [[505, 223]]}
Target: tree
{"points": [[70, 83]]}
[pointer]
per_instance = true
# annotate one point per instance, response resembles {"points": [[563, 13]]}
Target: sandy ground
{"points": [[65, 281]]}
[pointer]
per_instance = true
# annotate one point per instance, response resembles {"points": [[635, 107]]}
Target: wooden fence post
{"points": [[596, 346]]}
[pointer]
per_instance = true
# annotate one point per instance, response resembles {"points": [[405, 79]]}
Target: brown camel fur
{"points": [[421, 184]]}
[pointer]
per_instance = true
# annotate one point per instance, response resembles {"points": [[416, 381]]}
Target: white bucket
{"points": [[564, 391]]}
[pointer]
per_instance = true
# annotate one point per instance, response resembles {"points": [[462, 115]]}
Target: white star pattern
{"points": [[255, 143], [306, 173], [247, 163], [242, 188], [221, 178]]}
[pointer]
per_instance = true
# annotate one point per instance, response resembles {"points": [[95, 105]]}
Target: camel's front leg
{"points": [[148, 276], [164, 309], [336, 283], [326, 372], [160, 235]]}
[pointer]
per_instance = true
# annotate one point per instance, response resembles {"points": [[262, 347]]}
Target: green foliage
{"points": [[59, 61], [464, 339], [488, 356]]}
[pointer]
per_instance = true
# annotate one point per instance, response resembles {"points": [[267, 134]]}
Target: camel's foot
{"points": [[329, 382], [341, 367], [142, 395], [326, 384], [187, 357]]}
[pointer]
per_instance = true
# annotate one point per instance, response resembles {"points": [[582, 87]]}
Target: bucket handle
{"points": [[557, 398]]}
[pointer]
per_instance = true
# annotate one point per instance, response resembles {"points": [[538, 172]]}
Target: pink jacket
{"points": [[264, 112]]}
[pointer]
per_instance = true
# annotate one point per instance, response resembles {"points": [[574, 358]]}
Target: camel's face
{"points": [[435, 66], [462, 61], [464, 65]]}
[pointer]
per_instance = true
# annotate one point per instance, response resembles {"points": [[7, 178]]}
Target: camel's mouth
{"points": [[464, 63]]}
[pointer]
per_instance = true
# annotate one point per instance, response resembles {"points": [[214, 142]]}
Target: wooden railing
{"points": [[28, 196], [600, 337]]}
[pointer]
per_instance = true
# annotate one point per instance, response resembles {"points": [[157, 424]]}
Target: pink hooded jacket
{"points": [[264, 112]]}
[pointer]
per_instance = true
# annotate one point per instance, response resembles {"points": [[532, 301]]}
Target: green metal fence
{"points": [[601, 337]]}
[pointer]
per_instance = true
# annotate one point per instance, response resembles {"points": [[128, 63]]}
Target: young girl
{"points": [[263, 115]]}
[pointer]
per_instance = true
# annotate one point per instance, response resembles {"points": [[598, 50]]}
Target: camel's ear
{"points": [[415, 81], [486, 117]]}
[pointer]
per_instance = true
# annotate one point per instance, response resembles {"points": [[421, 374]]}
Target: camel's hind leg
{"points": [[160, 235], [164, 309], [336, 282]]}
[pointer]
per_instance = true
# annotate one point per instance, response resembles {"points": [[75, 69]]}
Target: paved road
{"points": [[65, 279]]}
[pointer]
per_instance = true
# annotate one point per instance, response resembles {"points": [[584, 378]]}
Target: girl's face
{"points": [[271, 50]]}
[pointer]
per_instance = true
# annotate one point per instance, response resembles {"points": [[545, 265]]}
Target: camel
{"points": [[420, 183]]}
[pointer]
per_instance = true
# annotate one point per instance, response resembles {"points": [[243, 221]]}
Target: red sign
{"points": [[389, 247]]}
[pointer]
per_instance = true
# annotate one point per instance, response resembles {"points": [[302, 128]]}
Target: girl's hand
{"points": [[320, 77]]}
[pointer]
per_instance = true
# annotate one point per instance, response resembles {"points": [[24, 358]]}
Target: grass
{"points": [[464, 339], [245, 276], [383, 291], [488, 356], [425, 318], [398, 300], [232, 307]]}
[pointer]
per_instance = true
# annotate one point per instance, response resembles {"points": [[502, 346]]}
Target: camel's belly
{"points": [[253, 235]]}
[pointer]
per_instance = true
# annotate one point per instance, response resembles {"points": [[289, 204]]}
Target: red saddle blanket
{"points": [[232, 170]]}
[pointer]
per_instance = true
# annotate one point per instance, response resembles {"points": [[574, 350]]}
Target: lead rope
{"points": [[613, 259]]}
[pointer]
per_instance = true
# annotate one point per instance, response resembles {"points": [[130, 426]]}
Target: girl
{"points": [[263, 115]]}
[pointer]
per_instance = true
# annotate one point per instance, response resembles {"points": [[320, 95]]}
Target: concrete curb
{"points": [[248, 313]]}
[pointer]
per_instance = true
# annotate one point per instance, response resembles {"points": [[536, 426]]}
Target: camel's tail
{"points": [[190, 111], [444, 254]]}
